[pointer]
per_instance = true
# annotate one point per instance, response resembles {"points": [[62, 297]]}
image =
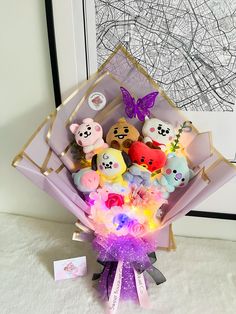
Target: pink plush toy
{"points": [[89, 136]]}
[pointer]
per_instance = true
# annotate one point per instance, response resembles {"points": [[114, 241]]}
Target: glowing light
{"points": [[134, 208], [127, 198], [148, 212], [136, 215]]}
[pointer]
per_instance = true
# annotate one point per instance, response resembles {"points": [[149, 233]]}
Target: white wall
{"points": [[26, 98], [205, 228]]}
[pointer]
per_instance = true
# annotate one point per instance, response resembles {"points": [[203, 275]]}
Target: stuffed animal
{"points": [[121, 135], [150, 158], [110, 165], [138, 175], [86, 180], [157, 132], [89, 136], [176, 173]]}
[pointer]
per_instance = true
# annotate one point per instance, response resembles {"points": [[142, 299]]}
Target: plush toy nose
{"points": [[144, 165], [178, 176]]}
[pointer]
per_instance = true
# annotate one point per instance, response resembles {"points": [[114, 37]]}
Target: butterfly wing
{"points": [[144, 104], [129, 102]]}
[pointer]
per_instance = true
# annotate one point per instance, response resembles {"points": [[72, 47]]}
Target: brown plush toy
{"points": [[121, 135]]}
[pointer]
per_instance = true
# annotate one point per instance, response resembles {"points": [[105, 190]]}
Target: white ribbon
{"points": [[141, 290]]}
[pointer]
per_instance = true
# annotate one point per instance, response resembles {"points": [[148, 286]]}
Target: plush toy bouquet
{"points": [[125, 161]]}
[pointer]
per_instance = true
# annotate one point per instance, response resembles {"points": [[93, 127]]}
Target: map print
{"points": [[187, 46]]}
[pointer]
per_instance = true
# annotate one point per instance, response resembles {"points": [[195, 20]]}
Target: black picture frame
{"points": [[53, 51]]}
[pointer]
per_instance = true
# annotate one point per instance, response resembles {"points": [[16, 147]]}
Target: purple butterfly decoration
{"points": [[140, 108]]}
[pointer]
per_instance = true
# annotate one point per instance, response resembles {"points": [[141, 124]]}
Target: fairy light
{"points": [[154, 224], [148, 212], [136, 216]]}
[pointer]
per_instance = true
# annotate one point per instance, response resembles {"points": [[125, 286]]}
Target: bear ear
{"points": [[146, 118], [87, 120], [94, 162], [74, 127], [127, 159]]}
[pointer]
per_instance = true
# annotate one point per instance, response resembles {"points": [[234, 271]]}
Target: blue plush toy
{"points": [[138, 175], [176, 173]]}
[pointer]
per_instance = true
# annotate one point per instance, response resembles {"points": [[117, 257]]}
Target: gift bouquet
{"points": [[125, 161]]}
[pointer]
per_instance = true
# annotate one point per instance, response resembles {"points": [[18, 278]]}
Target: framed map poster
{"points": [[187, 46]]}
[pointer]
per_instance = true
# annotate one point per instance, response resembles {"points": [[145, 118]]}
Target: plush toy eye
{"points": [[174, 171], [110, 162], [89, 128], [150, 162], [115, 132], [103, 163], [81, 134], [142, 159], [183, 179], [159, 128], [167, 131], [126, 130]]}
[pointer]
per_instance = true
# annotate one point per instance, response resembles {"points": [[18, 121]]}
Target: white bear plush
{"points": [[158, 132]]}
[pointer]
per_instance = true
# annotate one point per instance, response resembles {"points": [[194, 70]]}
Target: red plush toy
{"points": [[150, 158]]}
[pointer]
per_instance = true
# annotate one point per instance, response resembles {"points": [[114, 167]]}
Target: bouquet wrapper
{"points": [[48, 160]]}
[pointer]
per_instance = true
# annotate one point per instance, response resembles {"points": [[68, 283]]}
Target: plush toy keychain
{"points": [[176, 173], [86, 180], [150, 158], [121, 135], [89, 136], [157, 132], [110, 165]]}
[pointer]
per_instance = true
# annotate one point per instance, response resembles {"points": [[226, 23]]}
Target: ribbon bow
{"points": [[116, 267]]}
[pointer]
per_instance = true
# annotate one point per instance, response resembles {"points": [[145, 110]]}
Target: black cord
{"points": [[85, 38], [53, 51], [226, 216]]}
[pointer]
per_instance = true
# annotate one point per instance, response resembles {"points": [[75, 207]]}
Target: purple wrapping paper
{"points": [[47, 159]]}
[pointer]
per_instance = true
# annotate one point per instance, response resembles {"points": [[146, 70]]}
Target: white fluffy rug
{"points": [[201, 273]]}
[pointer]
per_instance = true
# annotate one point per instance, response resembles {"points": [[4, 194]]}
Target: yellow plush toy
{"points": [[121, 135], [111, 164]]}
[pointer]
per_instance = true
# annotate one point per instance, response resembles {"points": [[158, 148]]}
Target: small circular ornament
{"points": [[97, 101]]}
